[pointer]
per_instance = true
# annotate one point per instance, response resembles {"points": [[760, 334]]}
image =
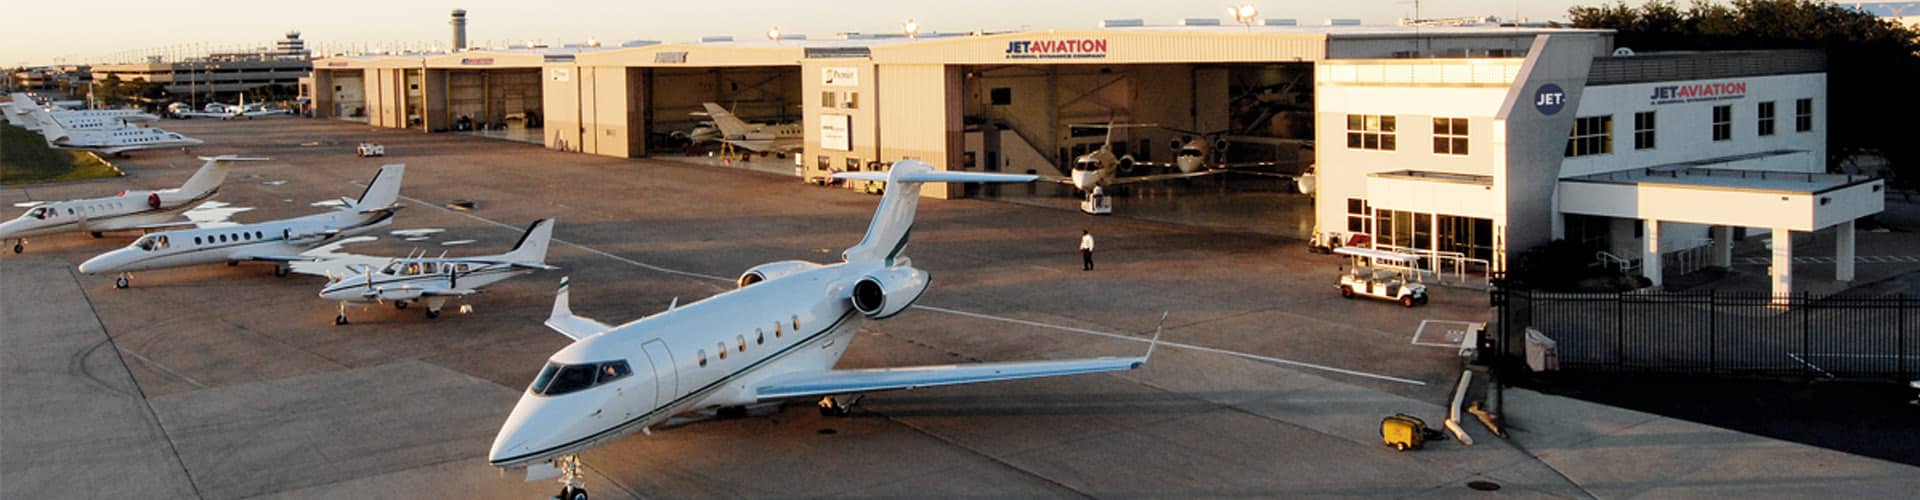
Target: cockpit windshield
{"points": [[1087, 164], [40, 212], [1189, 152], [152, 242], [557, 379]]}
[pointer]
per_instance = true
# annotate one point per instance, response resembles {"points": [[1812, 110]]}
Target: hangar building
{"points": [[1466, 145]]}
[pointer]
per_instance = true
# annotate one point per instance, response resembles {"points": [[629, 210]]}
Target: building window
{"points": [[1450, 136], [1803, 115], [1370, 132], [853, 164], [825, 163], [1766, 118], [1643, 130], [827, 100], [853, 100], [1002, 96], [1359, 216], [1592, 135], [1722, 123]]}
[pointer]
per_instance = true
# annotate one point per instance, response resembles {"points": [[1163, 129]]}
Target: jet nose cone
{"points": [[519, 435], [98, 264]]}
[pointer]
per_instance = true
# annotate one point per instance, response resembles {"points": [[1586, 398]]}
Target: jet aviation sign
{"points": [[1086, 48], [1697, 92]]}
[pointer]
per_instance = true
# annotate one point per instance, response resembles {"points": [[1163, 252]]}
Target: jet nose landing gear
{"points": [[571, 485]]}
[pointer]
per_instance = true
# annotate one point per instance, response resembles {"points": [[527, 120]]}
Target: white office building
{"points": [[1652, 160]]}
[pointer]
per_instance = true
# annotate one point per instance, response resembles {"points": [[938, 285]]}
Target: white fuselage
{"points": [[121, 140], [234, 243], [1097, 168], [406, 279], [129, 210], [708, 354]]}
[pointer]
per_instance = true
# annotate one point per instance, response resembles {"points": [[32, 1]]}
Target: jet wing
{"points": [[884, 379], [518, 264], [1162, 177], [275, 258], [203, 114]]}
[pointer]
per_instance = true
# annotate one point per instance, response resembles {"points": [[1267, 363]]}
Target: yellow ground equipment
{"points": [[1403, 432]]}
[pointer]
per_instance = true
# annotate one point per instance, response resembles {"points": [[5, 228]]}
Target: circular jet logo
{"points": [[1549, 99]]}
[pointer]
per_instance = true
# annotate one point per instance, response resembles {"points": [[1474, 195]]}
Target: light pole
{"points": [[1244, 13], [911, 28], [774, 34]]}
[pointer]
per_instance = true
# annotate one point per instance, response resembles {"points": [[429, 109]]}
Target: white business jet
{"points": [[757, 137], [128, 211], [775, 337], [280, 242], [24, 112], [430, 279], [225, 111]]}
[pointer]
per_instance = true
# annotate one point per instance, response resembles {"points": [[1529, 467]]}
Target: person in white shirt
{"points": [[1086, 250]]}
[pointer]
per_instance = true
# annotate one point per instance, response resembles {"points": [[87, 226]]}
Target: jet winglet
{"points": [[562, 319], [1155, 342]]}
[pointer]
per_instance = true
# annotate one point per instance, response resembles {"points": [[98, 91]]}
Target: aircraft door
{"points": [[665, 373]]}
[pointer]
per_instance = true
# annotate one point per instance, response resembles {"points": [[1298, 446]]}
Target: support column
{"points": [[1723, 246], [1782, 264], [1650, 251], [1843, 252]]}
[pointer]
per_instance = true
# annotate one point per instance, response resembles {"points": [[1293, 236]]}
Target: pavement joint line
{"points": [[141, 391], [1269, 359]]}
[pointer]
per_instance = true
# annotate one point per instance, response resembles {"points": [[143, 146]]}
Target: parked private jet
{"points": [[1102, 168], [757, 137], [233, 111], [115, 141], [280, 242], [416, 278], [777, 336], [129, 210], [23, 112]]}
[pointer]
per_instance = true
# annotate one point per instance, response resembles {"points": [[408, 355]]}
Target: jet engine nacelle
{"points": [[772, 270], [1126, 164], [883, 294]]}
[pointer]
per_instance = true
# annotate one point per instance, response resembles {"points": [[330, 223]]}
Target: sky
{"points": [[48, 35]]}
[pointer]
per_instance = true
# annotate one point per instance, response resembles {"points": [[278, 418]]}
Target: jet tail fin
{"points": [[533, 244], [893, 220], [383, 192], [212, 173], [730, 126]]}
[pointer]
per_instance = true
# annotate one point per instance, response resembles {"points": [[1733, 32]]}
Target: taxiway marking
{"points": [[1178, 345]]}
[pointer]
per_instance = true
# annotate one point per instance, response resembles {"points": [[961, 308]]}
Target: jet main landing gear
{"points": [[838, 406], [19, 245], [571, 485]]}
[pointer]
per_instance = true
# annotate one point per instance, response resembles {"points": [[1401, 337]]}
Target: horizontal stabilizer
{"points": [[935, 176]]}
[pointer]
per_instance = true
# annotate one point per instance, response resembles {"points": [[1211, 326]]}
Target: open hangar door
{"points": [[349, 95], [676, 116], [502, 103], [1249, 125]]}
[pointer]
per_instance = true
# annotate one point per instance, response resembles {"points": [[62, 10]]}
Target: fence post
{"points": [[1806, 327], [1900, 335], [1713, 331], [1619, 331]]}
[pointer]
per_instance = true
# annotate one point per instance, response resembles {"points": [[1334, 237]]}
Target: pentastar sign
{"points": [[1082, 48]]}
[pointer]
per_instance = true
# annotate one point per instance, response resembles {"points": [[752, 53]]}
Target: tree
{"points": [[1872, 63]]}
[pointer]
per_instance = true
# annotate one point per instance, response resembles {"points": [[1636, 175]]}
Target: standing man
{"points": [[1086, 250]]}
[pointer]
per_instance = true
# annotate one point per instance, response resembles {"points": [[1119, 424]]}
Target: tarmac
{"points": [[226, 382]]}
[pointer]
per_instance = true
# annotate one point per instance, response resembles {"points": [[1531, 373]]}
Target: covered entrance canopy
{"points": [[1700, 192]]}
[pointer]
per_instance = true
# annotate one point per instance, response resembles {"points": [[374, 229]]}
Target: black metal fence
{"points": [[1717, 333]]}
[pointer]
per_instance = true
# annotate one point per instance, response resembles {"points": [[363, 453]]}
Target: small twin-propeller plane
{"points": [[434, 280], [777, 336], [757, 137], [130, 210], [280, 242]]}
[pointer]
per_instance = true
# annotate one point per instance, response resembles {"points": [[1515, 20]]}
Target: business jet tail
{"points": [[893, 220], [383, 193], [532, 248]]}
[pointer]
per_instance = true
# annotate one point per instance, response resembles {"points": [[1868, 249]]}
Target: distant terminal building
{"points": [[218, 73], [50, 77]]}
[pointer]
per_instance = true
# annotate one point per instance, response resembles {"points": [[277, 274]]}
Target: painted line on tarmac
{"points": [[1164, 343], [572, 244], [1256, 357]]}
